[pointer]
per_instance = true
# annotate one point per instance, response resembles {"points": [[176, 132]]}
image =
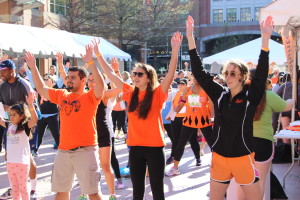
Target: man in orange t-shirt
{"points": [[78, 150]]}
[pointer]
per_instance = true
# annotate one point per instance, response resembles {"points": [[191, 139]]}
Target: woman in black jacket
{"points": [[234, 106]]}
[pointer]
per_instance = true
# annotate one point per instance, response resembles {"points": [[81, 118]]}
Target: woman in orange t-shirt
{"points": [[197, 115], [145, 128]]}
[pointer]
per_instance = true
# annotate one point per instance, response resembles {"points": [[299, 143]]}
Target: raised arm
{"points": [[3, 57], [108, 70], [34, 118], [176, 41], [204, 78], [99, 82], [63, 74], [37, 79], [257, 87]]}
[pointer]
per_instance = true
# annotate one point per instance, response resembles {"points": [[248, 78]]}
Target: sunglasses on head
{"points": [[139, 74], [231, 74], [181, 84]]}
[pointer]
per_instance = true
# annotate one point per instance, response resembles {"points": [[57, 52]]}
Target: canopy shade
{"points": [[47, 42], [249, 52], [281, 11]]}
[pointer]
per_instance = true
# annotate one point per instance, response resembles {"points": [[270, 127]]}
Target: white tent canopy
{"points": [[281, 11], [249, 52], [47, 42], [285, 15]]}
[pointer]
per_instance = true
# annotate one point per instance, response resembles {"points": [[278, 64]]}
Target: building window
{"points": [[58, 7], [257, 11], [217, 15], [245, 14], [231, 15]]}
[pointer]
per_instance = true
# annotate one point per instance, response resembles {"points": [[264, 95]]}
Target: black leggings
{"points": [[119, 120], [176, 125], [169, 131], [53, 124], [187, 134], [182, 136], [140, 157], [114, 161]]}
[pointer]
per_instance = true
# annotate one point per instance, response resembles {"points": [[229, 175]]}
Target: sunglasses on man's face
{"points": [[139, 74], [231, 74]]}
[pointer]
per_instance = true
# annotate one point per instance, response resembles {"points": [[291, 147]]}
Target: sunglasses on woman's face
{"points": [[139, 74], [231, 74]]}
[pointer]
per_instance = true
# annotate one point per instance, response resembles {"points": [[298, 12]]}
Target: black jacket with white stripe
{"points": [[233, 124]]}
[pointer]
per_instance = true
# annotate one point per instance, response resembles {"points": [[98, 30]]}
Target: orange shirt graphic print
{"points": [[69, 107]]}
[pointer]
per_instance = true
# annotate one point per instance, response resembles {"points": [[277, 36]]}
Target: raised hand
{"points": [[176, 40], [25, 66], [30, 99], [266, 27], [30, 59], [189, 27], [96, 43], [115, 64], [186, 64], [88, 57], [4, 57], [59, 58]]}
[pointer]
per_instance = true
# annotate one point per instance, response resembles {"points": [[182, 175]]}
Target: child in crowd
{"points": [[22, 119]]}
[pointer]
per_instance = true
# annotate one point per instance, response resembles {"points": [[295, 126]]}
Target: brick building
{"points": [[220, 18]]}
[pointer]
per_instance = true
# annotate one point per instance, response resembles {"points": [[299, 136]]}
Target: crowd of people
{"points": [[86, 109]]}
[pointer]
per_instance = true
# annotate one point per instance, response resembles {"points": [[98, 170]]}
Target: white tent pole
{"points": [[295, 75]]}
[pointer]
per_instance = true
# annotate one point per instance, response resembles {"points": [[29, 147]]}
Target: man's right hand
{"points": [[59, 58], [30, 60]]}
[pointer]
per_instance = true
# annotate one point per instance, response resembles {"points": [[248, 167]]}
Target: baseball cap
{"points": [[7, 64]]}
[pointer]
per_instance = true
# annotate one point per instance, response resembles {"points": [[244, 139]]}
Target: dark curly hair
{"points": [[22, 110]]}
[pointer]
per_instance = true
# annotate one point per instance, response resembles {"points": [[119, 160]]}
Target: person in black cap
{"points": [[15, 89]]}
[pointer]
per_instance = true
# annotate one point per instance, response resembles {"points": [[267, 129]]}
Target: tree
{"points": [[162, 17], [122, 21], [77, 16]]}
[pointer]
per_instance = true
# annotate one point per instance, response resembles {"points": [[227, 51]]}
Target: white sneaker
{"points": [[7, 194], [120, 184], [172, 172]]}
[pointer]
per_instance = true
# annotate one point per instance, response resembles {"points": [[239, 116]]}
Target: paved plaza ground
{"points": [[193, 183]]}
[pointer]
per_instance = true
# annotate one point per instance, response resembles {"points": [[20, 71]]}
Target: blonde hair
{"points": [[125, 76]]}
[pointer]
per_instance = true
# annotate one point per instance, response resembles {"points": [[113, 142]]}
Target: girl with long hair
{"points": [[145, 128], [263, 132]]}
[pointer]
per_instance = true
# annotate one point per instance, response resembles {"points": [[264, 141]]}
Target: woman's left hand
{"points": [[266, 27]]}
